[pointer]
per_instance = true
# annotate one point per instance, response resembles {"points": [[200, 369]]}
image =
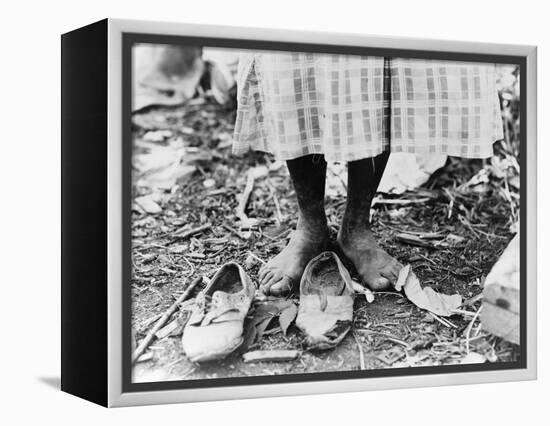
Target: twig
{"points": [[277, 208], [177, 361], [413, 240], [508, 197], [472, 300], [428, 259], [150, 321], [451, 203], [188, 372], [151, 335], [277, 237], [240, 211], [468, 225], [235, 232], [361, 354], [399, 342], [391, 293], [263, 262], [270, 356], [443, 321], [463, 312], [388, 336], [190, 232], [448, 321], [469, 329], [190, 265], [380, 200]]}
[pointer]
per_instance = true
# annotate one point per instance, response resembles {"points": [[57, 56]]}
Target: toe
{"points": [[390, 273], [381, 283], [264, 278], [282, 287], [263, 271], [271, 280], [376, 281]]}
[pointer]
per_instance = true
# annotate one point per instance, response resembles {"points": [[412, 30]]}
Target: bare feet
{"points": [[376, 267], [283, 273]]}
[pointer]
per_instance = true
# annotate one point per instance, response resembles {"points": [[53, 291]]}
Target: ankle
{"points": [[354, 228], [315, 227]]}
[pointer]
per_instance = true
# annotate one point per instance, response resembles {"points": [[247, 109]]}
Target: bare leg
{"points": [[284, 271], [376, 267]]}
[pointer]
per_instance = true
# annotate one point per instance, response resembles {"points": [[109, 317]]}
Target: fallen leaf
{"points": [[139, 233], [426, 298], [259, 172], [249, 335], [454, 239], [287, 316], [157, 135], [279, 303], [172, 329], [482, 177], [209, 183], [148, 356], [167, 178], [473, 358], [413, 240], [179, 249], [264, 310], [262, 326], [276, 165], [391, 356], [148, 204], [196, 255], [514, 182], [250, 261], [369, 295]]}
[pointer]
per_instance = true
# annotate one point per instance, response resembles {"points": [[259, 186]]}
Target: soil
{"points": [[463, 231]]}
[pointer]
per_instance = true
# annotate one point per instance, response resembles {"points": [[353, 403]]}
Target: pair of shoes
{"points": [[215, 327]]}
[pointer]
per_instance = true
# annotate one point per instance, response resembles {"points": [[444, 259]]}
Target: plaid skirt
{"points": [[351, 107]]}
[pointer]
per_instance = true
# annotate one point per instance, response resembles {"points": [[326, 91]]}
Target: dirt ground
{"points": [[451, 231]]}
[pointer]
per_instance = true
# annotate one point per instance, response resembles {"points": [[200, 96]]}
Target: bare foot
{"points": [[376, 267], [283, 273]]}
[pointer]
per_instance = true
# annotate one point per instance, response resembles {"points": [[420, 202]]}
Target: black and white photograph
{"points": [[305, 212]]}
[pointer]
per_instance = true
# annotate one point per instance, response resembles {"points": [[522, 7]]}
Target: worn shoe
{"points": [[326, 302], [215, 327]]}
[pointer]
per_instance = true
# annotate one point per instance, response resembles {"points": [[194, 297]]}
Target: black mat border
{"points": [[129, 39]]}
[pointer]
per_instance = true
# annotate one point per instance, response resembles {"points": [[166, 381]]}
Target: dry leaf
{"points": [[262, 326], [265, 312], [173, 328], [209, 183], [358, 288], [287, 316], [413, 240], [391, 356], [157, 135], [146, 203], [148, 356], [426, 298], [249, 335], [250, 261], [454, 239], [473, 358]]}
